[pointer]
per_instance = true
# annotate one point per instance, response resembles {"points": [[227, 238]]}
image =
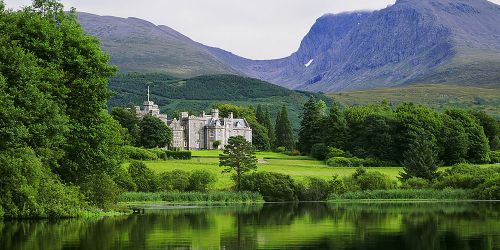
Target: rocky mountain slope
{"points": [[412, 41]]}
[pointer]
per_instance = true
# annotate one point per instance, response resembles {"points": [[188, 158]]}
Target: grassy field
{"points": [[298, 167], [435, 96]]}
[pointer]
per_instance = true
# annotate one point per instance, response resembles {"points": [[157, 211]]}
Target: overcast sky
{"points": [[256, 29]]}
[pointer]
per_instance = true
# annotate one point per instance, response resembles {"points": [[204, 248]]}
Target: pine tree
{"points": [[335, 128], [268, 123], [259, 114], [284, 134], [310, 126]]}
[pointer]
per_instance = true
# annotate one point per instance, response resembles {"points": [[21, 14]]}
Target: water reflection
{"points": [[272, 226]]}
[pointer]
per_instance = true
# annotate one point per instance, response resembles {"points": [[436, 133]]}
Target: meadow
{"points": [[298, 167]]}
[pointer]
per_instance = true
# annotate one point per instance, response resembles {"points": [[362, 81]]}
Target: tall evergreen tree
{"points": [[260, 115], [284, 134], [335, 128], [310, 125], [268, 123]]}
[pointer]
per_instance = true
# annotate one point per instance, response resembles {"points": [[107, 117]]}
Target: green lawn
{"points": [[298, 167]]}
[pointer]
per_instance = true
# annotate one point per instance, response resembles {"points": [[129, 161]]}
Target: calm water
{"points": [[272, 226]]}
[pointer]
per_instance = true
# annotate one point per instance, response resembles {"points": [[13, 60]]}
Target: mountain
{"points": [[136, 45], [412, 41]]}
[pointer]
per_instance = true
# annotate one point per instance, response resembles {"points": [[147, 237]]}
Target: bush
{"points": [[1, 212], [143, 177], [101, 191], [335, 152], [465, 176], [405, 194], [495, 157], [160, 153], [280, 150], [319, 151], [315, 190], [178, 155], [415, 183], [193, 197], [375, 181], [337, 186], [124, 181], [216, 144], [176, 180], [140, 154], [374, 162], [489, 190], [272, 186], [344, 162], [201, 180]]}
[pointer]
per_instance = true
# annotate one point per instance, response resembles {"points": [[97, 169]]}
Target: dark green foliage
{"points": [[268, 123], [465, 176], [490, 189], [140, 154], [201, 180], [272, 186], [154, 133], [420, 160], [176, 180], [337, 185], [209, 198], [491, 128], [320, 151], [238, 157], [453, 142], [315, 189], [284, 134], [143, 177], [344, 162], [335, 152], [478, 146], [101, 191], [128, 119], [415, 183], [334, 128], [495, 156], [216, 144], [260, 137], [124, 181], [178, 155], [312, 116], [30, 190]]}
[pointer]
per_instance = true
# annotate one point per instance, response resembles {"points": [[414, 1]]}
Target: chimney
{"points": [[215, 113], [231, 115]]}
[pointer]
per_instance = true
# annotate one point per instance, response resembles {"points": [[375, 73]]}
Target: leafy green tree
{"points": [[144, 179], [238, 157], [216, 144], [491, 128], [478, 150], [260, 138], [284, 133], [420, 159], [310, 125], [453, 142], [129, 120], [155, 133]]}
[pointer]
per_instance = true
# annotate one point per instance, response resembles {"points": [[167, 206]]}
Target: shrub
{"points": [[335, 152], [123, 179], [404, 194], [337, 186], [374, 162], [1, 212], [193, 197], [178, 155], [495, 157], [101, 190], [375, 181], [160, 153], [143, 177], [415, 183], [319, 151], [201, 180], [216, 144], [272, 186], [315, 190], [141, 154], [344, 162], [490, 189], [465, 176], [280, 150], [176, 180]]}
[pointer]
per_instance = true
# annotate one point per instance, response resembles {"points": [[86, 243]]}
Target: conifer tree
{"points": [[284, 134], [268, 123], [310, 125], [335, 128]]}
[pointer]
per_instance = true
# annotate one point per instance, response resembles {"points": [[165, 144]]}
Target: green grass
{"points": [[406, 194], [192, 197], [436, 96]]}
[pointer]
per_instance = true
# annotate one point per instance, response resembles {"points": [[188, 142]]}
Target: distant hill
{"points": [[413, 41], [436, 96], [200, 93]]}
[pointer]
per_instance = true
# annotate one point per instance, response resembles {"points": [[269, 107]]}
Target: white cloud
{"points": [[257, 29]]}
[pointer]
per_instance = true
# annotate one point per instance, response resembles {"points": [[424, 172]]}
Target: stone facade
{"points": [[195, 133]]}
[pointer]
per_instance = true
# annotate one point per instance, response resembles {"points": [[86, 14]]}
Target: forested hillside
{"points": [[201, 93]]}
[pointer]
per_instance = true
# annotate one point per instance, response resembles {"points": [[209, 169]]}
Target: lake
{"points": [[417, 225]]}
